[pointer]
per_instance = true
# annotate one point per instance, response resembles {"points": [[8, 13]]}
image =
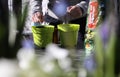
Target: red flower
{"points": [[91, 26]]}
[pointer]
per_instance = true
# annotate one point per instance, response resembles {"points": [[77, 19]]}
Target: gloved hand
{"points": [[74, 12]]}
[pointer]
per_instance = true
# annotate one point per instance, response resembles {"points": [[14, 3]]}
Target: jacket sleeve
{"points": [[84, 6], [35, 6]]}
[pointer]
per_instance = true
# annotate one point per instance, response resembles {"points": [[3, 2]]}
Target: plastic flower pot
{"points": [[42, 35], [68, 34]]}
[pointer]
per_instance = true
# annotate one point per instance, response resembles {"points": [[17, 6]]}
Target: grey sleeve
{"points": [[84, 6], [35, 6]]}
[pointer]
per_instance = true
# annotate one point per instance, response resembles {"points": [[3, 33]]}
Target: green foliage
{"points": [[11, 34], [105, 57]]}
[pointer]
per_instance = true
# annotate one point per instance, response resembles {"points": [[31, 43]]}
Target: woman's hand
{"points": [[37, 17]]}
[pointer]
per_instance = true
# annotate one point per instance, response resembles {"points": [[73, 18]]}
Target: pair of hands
{"points": [[73, 11]]}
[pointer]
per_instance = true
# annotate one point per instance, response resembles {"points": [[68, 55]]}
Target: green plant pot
{"points": [[42, 35], [68, 34]]}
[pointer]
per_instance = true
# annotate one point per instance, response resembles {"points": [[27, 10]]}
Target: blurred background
{"points": [[19, 61]]}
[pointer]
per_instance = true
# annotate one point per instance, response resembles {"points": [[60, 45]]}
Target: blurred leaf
{"points": [[99, 55], [12, 29], [20, 24], [109, 56], [99, 49]]}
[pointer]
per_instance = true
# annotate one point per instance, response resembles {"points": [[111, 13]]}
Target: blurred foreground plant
{"points": [[11, 34], [105, 45], [55, 62]]}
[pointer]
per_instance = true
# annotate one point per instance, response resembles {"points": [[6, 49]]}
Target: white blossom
{"points": [[25, 55], [8, 68], [57, 52]]}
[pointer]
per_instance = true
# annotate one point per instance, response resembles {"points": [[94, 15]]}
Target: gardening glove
{"points": [[74, 12]]}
